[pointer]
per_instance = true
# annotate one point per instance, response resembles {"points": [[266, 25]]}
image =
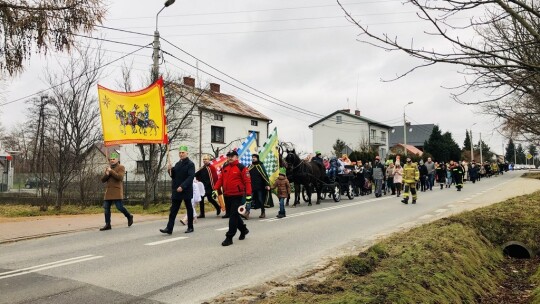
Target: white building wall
{"points": [[236, 127], [352, 131]]}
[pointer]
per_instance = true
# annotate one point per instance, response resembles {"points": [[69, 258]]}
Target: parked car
{"points": [[35, 182]]}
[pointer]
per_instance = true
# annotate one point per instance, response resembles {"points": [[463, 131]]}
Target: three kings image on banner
{"points": [[133, 117]]}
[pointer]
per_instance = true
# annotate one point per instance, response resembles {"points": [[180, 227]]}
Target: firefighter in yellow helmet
{"points": [[411, 175]]}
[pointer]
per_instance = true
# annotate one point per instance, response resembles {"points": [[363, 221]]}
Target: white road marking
{"points": [[326, 209], [18, 272], [166, 241], [223, 229], [441, 210]]}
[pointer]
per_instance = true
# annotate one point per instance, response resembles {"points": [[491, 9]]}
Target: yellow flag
{"points": [[133, 117]]}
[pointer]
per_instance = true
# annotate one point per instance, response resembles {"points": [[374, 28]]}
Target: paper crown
{"points": [[183, 149], [282, 171], [114, 155]]}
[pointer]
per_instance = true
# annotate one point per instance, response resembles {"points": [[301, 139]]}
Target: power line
{"points": [[260, 10], [241, 82], [71, 79]]}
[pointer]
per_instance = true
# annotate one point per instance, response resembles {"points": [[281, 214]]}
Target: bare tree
{"points": [[502, 61], [43, 25], [73, 128]]}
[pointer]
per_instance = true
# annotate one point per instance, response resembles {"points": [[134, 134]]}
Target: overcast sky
{"points": [[301, 52]]}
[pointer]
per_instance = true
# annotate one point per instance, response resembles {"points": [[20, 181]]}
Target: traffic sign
{"points": [[529, 156]]}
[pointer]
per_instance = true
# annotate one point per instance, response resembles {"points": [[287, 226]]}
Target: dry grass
{"points": [[453, 260]]}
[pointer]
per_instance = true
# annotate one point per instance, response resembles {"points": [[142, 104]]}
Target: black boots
{"points": [[263, 215], [227, 242], [130, 220], [405, 200], [281, 214], [243, 233], [106, 227]]}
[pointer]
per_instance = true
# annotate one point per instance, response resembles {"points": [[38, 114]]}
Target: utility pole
{"points": [[480, 136], [405, 129]]}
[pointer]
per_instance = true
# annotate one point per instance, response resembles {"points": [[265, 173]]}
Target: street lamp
{"points": [[405, 128], [155, 54]]}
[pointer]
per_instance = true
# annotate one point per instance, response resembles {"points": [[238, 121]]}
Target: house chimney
{"points": [[357, 112], [190, 82], [214, 87]]}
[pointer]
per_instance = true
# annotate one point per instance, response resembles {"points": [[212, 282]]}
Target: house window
{"points": [[254, 123], [140, 165], [218, 134], [373, 134], [383, 136], [256, 137], [218, 117], [338, 119]]}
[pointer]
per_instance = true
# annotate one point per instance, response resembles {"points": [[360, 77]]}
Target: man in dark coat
{"points": [[114, 191], [260, 184], [182, 175], [208, 176]]}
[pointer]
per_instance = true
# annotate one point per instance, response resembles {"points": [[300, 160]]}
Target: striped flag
{"points": [[246, 149], [269, 155], [218, 163]]}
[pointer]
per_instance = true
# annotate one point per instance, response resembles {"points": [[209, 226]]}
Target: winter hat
{"points": [[114, 155]]}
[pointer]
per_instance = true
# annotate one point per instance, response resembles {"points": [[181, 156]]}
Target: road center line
{"points": [[19, 272], [166, 241], [223, 229]]}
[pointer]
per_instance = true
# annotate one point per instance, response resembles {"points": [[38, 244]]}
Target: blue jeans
{"points": [[107, 209], [282, 205], [259, 197], [431, 179]]}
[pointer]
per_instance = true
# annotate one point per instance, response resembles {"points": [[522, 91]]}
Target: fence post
{"points": [[126, 187]]}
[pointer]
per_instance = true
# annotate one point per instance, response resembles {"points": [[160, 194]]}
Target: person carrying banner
{"points": [[260, 184], [114, 190], [208, 176], [235, 184], [182, 175]]}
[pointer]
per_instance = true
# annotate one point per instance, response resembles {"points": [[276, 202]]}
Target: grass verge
{"points": [[27, 210], [453, 260]]}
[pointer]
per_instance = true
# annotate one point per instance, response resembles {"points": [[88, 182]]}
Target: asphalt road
{"points": [[141, 265]]}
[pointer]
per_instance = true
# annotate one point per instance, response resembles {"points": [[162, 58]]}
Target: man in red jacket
{"points": [[235, 183]]}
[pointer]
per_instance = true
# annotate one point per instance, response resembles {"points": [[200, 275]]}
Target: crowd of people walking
{"points": [[238, 184]]}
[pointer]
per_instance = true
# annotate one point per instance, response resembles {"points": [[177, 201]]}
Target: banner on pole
{"points": [[133, 117]]}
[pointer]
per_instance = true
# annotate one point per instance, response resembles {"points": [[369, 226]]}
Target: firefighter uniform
{"points": [[457, 172], [411, 175]]}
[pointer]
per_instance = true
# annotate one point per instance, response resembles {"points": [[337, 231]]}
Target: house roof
{"points": [[415, 137], [357, 117], [222, 103], [410, 149], [104, 149]]}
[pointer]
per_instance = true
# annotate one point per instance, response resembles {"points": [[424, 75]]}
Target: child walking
{"points": [[198, 193], [283, 190]]}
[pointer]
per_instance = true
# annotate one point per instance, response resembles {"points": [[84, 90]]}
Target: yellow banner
{"points": [[133, 117]]}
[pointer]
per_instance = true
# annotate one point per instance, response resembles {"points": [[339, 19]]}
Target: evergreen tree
{"points": [[510, 150], [338, 147], [520, 154], [467, 142], [435, 145], [452, 148], [486, 150]]}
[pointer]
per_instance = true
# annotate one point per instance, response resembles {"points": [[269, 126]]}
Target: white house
{"points": [[355, 130], [216, 120]]}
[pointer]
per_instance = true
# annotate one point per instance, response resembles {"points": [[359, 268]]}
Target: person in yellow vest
{"points": [[411, 175]]}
